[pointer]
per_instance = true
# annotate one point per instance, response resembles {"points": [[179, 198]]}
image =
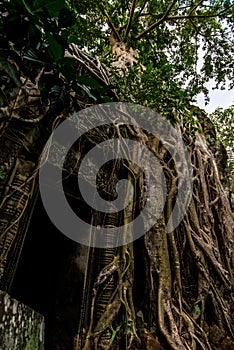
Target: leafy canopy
{"points": [[170, 37], [223, 119]]}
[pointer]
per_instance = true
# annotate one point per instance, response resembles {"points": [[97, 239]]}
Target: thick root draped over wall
{"points": [[171, 290]]}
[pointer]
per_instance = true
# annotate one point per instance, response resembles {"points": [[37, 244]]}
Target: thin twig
{"points": [[195, 7], [194, 16]]}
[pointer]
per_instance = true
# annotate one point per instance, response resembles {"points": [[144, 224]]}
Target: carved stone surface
{"points": [[21, 328]]}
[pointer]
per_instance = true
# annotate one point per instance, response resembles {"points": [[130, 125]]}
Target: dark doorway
{"points": [[49, 280]]}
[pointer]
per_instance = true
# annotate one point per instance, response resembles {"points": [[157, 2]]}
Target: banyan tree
{"points": [[172, 287]]}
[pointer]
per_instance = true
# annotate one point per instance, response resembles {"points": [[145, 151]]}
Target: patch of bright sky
{"points": [[218, 98]]}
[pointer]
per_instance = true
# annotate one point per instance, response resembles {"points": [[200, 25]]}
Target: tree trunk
{"points": [[164, 291]]}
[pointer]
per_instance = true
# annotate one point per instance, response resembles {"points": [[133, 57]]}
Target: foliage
{"points": [[37, 51], [223, 120], [169, 36]]}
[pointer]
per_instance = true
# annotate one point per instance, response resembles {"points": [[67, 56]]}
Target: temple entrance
{"points": [[48, 279]]}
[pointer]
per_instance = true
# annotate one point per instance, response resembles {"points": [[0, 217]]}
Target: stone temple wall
{"points": [[21, 328]]}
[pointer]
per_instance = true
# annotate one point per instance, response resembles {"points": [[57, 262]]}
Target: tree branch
{"points": [[196, 29], [195, 7], [179, 17], [111, 24], [189, 15], [194, 16], [155, 24], [133, 5], [142, 8]]}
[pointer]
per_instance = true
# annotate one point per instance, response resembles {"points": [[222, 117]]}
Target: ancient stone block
{"points": [[21, 328]]}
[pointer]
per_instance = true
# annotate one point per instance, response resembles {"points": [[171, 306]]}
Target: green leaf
{"points": [[10, 69], [66, 18], [54, 7], [54, 48], [88, 81], [197, 309], [107, 88], [32, 55], [68, 68], [85, 89], [2, 175], [27, 7], [39, 3], [59, 99]]}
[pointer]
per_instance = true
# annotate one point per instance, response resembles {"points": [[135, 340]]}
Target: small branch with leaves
{"points": [[157, 23], [189, 16]]}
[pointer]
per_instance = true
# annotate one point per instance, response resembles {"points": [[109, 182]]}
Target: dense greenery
{"points": [[223, 120], [169, 36]]}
